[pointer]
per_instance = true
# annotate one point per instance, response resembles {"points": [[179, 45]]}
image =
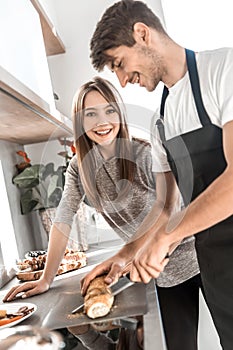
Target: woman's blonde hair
{"points": [[87, 165]]}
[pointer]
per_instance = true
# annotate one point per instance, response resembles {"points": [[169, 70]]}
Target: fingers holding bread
{"points": [[109, 268]]}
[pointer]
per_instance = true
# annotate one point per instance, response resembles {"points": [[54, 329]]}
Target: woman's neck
{"points": [[108, 151]]}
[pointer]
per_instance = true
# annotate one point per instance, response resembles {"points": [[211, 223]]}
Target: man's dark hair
{"points": [[115, 28]]}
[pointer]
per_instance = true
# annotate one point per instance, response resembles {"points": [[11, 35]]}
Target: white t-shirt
{"points": [[215, 69]]}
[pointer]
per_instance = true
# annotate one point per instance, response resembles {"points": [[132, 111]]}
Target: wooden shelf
{"points": [[53, 43], [24, 116]]}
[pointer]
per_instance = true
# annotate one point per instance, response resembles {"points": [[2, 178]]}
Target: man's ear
{"points": [[141, 33]]}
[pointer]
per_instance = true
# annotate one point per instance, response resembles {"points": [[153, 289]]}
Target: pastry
{"points": [[31, 269]]}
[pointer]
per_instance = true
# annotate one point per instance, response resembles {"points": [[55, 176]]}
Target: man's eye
{"points": [[115, 65], [118, 65]]}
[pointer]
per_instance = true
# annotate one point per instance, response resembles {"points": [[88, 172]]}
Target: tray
{"points": [[130, 302]]}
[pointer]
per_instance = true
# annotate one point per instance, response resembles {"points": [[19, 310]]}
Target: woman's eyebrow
{"points": [[99, 107], [89, 108]]}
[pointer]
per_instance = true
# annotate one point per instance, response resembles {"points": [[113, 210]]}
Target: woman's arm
{"points": [[57, 244], [58, 239]]}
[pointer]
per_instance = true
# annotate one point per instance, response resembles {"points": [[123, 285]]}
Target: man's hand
{"points": [[128, 259], [28, 289], [114, 267], [150, 260]]}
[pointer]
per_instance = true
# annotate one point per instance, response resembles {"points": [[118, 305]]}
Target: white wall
{"points": [[199, 25]]}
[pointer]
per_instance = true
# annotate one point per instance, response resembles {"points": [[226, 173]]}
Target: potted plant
{"points": [[41, 186]]}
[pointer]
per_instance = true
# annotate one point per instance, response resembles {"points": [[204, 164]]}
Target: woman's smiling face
{"points": [[101, 120]]}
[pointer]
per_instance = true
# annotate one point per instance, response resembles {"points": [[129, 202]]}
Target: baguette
{"points": [[98, 299]]}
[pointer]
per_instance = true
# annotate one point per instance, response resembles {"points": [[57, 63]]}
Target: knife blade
{"points": [[123, 283]]}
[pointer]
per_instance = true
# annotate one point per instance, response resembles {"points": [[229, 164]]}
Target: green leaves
{"points": [[28, 202], [29, 177], [41, 186]]}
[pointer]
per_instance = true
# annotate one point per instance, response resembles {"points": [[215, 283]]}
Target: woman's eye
{"points": [[90, 114], [110, 111]]}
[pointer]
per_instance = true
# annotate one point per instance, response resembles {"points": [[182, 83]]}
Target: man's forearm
{"points": [[157, 217], [211, 207]]}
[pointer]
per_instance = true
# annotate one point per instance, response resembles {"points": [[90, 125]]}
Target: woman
{"points": [[113, 173]]}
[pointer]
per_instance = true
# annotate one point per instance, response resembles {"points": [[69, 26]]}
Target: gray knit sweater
{"points": [[125, 215]]}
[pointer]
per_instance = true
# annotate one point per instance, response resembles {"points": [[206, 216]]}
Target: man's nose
{"points": [[122, 77]]}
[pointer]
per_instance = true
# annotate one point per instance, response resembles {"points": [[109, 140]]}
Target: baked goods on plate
{"points": [[31, 268], [14, 313]]}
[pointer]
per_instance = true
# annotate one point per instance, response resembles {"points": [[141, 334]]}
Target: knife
{"points": [[119, 286]]}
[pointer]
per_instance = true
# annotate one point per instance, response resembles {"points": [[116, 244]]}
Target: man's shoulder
{"points": [[216, 55], [216, 64]]}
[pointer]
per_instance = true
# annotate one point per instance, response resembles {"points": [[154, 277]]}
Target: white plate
{"points": [[35, 253], [14, 307]]}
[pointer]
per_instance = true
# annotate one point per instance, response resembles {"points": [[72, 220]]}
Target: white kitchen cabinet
{"points": [[27, 109]]}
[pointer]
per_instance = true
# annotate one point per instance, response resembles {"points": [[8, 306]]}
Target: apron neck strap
{"points": [[195, 85], [163, 100]]}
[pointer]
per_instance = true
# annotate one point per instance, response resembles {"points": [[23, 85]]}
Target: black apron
{"points": [[196, 158]]}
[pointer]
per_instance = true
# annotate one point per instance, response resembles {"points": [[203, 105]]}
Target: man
{"points": [[194, 146]]}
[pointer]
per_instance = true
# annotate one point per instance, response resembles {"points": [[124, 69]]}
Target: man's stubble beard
{"points": [[153, 66]]}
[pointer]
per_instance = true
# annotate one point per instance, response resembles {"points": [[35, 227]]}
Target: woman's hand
{"points": [[28, 289]]}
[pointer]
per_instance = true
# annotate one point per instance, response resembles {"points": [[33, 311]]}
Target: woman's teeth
{"points": [[104, 132]]}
